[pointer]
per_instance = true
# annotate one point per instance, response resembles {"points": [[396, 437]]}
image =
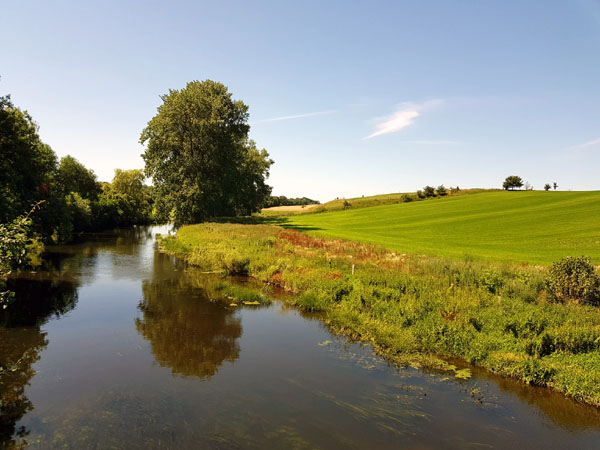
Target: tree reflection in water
{"points": [[21, 341], [187, 332]]}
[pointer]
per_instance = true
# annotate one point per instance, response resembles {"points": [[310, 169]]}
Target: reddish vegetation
{"points": [[356, 250]]}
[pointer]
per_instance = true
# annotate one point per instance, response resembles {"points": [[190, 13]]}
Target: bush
{"points": [[420, 194], [574, 280], [441, 190], [406, 198], [429, 191]]}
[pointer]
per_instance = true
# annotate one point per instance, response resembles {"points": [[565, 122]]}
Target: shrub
{"points": [[441, 190], [574, 280], [420, 194], [429, 191], [406, 198]]}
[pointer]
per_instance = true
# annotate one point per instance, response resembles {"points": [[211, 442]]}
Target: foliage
{"points": [[26, 163], [200, 158], [72, 176], [73, 201], [417, 309], [79, 212], [17, 249], [574, 280], [441, 190], [429, 191], [532, 227], [512, 182], [127, 200], [547, 187], [282, 200]]}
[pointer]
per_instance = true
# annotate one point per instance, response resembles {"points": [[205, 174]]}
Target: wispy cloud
{"points": [[428, 142], [402, 118], [585, 146], [298, 116]]}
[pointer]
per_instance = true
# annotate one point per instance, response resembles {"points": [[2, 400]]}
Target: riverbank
{"points": [[416, 310]]}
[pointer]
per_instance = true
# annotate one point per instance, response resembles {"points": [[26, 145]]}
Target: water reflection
{"points": [[187, 333], [21, 341]]}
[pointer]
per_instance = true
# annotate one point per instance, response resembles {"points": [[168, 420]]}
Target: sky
{"points": [[349, 98]]}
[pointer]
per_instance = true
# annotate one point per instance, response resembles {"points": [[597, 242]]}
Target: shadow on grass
{"points": [[280, 221]]}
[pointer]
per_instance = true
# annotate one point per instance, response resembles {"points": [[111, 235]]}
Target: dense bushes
{"points": [[574, 280], [282, 200], [17, 249]]}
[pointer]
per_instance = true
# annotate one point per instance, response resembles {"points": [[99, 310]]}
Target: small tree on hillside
{"points": [[512, 182], [555, 185], [441, 190], [429, 191], [547, 187]]}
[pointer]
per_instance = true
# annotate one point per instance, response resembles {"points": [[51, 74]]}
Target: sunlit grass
{"points": [[534, 227]]}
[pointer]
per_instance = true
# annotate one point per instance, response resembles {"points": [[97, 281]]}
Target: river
{"points": [[113, 345]]}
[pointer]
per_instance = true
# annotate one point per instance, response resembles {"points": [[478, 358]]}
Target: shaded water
{"points": [[116, 346]]}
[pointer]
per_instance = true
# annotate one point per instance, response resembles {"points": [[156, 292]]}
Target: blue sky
{"points": [[371, 97]]}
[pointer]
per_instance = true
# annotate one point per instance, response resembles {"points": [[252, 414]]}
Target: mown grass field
{"points": [[534, 226]]}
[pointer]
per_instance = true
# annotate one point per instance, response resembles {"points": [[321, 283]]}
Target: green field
{"points": [[536, 227]]}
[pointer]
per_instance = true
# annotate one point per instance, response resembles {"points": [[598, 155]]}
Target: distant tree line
{"points": [[69, 197], [282, 200], [513, 182], [440, 191]]}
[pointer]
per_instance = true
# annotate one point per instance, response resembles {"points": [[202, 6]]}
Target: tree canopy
{"points": [[72, 176], [512, 182], [26, 163], [200, 158]]}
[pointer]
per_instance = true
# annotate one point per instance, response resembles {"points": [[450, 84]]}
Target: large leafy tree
{"points": [[200, 158]]}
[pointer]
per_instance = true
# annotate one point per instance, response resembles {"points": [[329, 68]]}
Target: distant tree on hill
{"points": [[441, 190], [429, 191], [512, 182], [547, 187], [555, 185]]}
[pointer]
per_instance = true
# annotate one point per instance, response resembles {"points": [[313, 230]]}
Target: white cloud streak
{"points": [[427, 142], [402, 118], [585, 145], [298, 116]]}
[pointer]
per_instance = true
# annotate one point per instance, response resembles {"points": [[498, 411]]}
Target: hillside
{"points": [[535, 226]]}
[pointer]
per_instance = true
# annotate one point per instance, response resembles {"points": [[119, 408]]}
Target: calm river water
{"points": [[114, 345]]}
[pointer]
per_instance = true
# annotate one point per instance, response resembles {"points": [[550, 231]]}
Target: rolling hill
{"points": [[521, 226]]}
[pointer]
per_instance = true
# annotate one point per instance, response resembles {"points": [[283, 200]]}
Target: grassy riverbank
{"points": [[416, 309]]}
